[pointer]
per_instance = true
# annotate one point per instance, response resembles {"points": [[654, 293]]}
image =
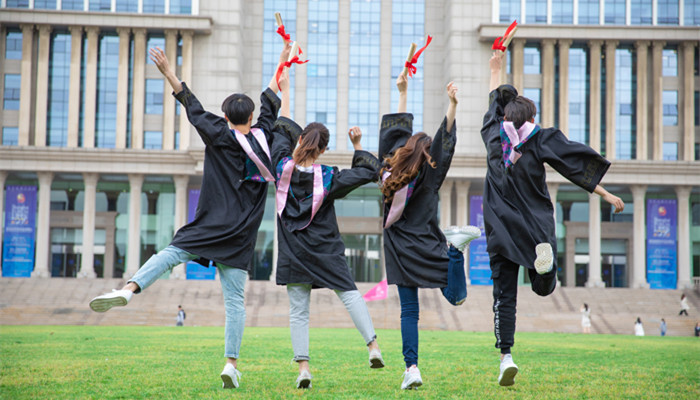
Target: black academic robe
{"points": [[415, 248], [316, 254], [518, 212], [231, 205]]}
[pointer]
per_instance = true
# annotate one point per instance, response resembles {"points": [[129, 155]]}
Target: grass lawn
{"points": [[81, 362]]}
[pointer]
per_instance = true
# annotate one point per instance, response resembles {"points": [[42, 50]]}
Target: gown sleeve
{"points": [[441, 151], [209, 126], [365, 169], [498, 99], [287, 134], [575, 161], [269, 107], [394, 131]]}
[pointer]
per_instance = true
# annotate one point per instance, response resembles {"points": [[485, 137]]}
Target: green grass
{"points": [[83, 362]]}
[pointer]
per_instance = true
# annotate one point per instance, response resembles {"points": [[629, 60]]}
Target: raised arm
{"points": [[402, 85], [452, 108], [355, 135], [161, 61], [284, 88], [610, 198], [284, 55], [495, 63]]}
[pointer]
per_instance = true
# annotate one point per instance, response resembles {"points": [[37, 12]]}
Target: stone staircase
{"points": [[64, 301]]}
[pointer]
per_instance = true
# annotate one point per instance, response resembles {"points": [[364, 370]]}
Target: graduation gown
{"points": [[231, 200], [415, 248], [518, 212], [316, 254]]}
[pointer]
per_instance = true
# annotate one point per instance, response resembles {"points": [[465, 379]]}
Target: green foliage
{"points": [[129, 362]]}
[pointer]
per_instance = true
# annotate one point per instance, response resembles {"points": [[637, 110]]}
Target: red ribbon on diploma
{"points": [[498, 43], [294, 60], [410, 64], [287, 37]]}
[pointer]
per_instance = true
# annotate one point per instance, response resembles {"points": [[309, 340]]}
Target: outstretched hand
{"points": [[615, 201], [355, 135], [496, 61], [452, 92], [160, 60], [402, 83]]}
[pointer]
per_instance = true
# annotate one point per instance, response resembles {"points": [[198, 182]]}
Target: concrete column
{"points": [[446, 203], [168, 99], [688, 109], [564, 46], [386, 84], [547, 105], [610, 112], [90, 105], [642, 47], [517, 69], [181, 182], [43, 239], [42, 86], [186, 76], [594, 264], [302, 36], [341, 142], [639, 279], [123, 86], [657, 114], [26, 82], [76, 55], [684, 242], [133, 249], [462, 188], [594, 97], [138, 93], [87, 264]]}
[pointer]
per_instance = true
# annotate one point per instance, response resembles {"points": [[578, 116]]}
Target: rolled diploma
{"points": [[411, 52], [510, 37]]}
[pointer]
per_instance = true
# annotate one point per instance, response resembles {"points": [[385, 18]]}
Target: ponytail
{"points": [[314, 139]]}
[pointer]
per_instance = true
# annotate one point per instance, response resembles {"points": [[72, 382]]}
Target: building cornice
{"points": [[623, 33]]}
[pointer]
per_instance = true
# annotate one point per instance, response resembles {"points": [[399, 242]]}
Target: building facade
{"points": [[88, 121]]}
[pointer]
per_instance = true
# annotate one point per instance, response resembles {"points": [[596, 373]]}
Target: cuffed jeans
{"points": [[456, 289], [232, 284], [299, 295]]}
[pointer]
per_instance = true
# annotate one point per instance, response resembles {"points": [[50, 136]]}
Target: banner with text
{"points": [[662, 253], [19, 235], [197, 271], [479, 267]]}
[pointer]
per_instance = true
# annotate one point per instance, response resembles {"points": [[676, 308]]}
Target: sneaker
{"points": [[508, 371], [375, 359], [545, 258], [230, 375], [304, 380], [460, 237], [411, 378], [109, 300]]}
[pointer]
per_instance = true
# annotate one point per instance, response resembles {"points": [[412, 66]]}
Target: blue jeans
{"points": [[456, 289], [232, 284]]}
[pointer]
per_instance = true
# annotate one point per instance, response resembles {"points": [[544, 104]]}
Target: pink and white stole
{"points": [[397, 204], [260, 137], [285, 182]]}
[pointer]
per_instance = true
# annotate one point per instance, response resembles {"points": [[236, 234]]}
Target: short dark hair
{"points": [[520, 110], [237, 108]]}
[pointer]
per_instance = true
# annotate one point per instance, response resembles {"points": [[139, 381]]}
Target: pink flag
{"points": [[378, 292]]}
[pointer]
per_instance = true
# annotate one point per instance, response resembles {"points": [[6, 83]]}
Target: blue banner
{"points": [[479, 266], [18, 238], [662, 253], [194, 270]]}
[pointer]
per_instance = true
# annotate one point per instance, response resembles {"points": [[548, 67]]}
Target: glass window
{"points": [[562, 11], [691, 10], [45, 4], [272, 41], [509, 11], [669, 62], [100, 5], [589, 12], [13, 44], [695, 212], [668, 12], [670, 151], [154, 96], [10, 136], [641, 12], [107, 77], [625, 105], [12, 91], [578, 95], [697, 108], [408, 13], [76, 5], [152, 140], [180, 6], [17, 3], [59, 83], [536, 11], [534, 95], [154, 6], [615, 12], [128, 6], [532, 59], [670, 99]]}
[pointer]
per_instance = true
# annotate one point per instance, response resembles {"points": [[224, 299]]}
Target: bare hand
{"points": [[284, 55], [160, 60], [402, 83], [496, 61], [355, 135], [452, 92], [615, 201], [284, 81]]}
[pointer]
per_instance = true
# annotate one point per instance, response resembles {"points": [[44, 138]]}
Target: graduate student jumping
{"points": [[518, 212], [237, 168], [311, 250]]}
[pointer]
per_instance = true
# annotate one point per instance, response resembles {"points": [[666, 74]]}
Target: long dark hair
{"points": [[314, 139], [405, 163]]}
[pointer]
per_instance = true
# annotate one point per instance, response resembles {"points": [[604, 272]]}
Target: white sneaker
{"points": [[411, 378], [460, 237], [109, 300], [304, 380], [230, 375], [375, 359], [545, 258], [508, 371]]}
